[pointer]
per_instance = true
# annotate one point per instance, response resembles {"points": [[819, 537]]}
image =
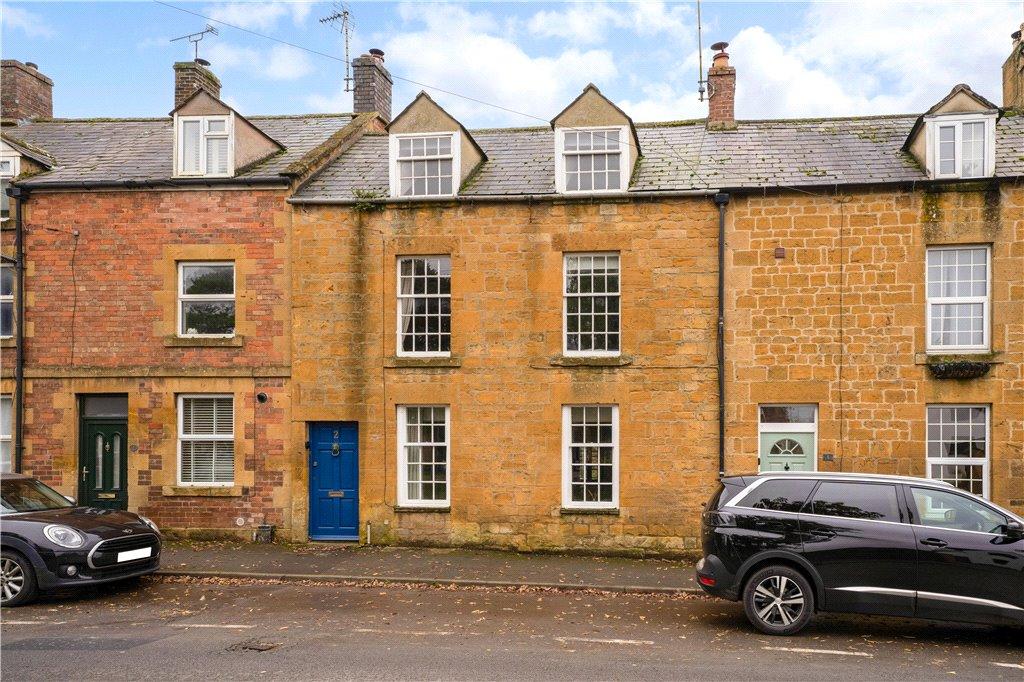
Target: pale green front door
{"points": [[786, 451]]}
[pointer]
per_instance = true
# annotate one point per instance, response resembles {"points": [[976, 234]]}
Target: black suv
{"points": [[790, 544]]}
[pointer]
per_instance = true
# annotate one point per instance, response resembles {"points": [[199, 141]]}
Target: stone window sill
{"points": [[423, 510], [203, 342], [564, 511], [8, 343], [201, 491], [395, 361], [596, 361]]}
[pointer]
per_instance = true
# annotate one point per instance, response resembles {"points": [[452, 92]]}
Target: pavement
{"points": [[352, 563], [214, 628]]}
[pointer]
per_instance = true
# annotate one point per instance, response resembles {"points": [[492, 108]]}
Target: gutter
{"points": [[21, 195], [503, 198], [153, 184], [721, 200]]}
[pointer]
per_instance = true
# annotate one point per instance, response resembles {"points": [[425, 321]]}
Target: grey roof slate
{"points": [[140, 150], [687, 156]]}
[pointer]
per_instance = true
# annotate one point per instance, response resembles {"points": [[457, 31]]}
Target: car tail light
{"points": [[718, 519], [706, 581]]}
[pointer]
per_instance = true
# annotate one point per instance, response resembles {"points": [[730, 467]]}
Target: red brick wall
{"points": [[122, 259]]}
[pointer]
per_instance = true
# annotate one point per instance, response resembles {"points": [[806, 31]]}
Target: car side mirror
{"points": [[1014, 530], [71, 499]]}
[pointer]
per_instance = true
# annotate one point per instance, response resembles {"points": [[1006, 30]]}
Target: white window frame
{"points": [[565, 305], [8, 154], [560, 154], [456, 157], [179, 145], [933, 123], [985, 300], [183, 297], [789, 427], [399, 297], [567, 501], [9, 298], [15, 159], [7, 430], [986, 463], [403, 473], [207, 437]]}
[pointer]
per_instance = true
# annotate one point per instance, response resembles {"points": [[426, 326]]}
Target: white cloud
{"points": [[592, 23], [280, 62], [450, 47], [851, 59], [30, 23], [259, 15]]}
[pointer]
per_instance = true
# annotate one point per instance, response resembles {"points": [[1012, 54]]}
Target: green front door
{"points": [[103, 464], [787, 451]]}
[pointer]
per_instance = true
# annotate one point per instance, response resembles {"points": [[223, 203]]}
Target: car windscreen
{"points": [[28, 494]]}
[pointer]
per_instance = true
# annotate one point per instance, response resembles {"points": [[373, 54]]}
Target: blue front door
{"points": [[334, 481]]}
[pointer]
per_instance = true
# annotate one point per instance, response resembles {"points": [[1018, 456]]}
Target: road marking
{"points": [[1018, 666], [32, 622], [211, 625], [414, 633], [596, 640], [834, 652]]}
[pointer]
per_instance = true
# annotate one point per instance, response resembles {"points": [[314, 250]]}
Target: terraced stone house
{"points": [[559, 336], [532, 338]]}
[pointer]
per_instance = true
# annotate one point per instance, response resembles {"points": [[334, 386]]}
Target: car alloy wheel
{"points": [[778, 601], [12, 580]]}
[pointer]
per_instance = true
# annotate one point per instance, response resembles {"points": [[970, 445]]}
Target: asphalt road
{"points": [[174, 628]]}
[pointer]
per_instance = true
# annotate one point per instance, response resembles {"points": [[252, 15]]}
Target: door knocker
{"points": [[335, 449]]}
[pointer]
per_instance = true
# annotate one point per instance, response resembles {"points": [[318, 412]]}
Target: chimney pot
{"points": [[25, 92], [372, 85], [721, 91]]}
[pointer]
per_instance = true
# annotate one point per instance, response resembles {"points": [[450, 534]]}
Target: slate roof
{"points": [[687, 156], [141, 150]]}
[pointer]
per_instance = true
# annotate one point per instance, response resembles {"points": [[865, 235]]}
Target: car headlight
{"points": [[149, 523], [64, 536]]}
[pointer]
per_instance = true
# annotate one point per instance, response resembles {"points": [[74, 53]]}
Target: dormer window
{"points": [[591, 159], [10, 166], [423, 165], [962, 147], [204, 146]]}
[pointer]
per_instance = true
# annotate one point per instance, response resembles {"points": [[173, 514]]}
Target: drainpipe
{"points": [[721, 200], [21, 195]]}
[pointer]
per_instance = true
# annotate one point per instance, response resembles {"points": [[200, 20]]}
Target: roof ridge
{"points": [[167, 119]]}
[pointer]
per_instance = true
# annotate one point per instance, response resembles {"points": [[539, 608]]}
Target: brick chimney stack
{"points": [[721, 91], [1013, 73], [25, 93], [372, 89], [192, 76]]}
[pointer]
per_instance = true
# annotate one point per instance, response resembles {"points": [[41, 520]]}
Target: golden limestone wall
{"points": [[507, 381], [839, 321]]}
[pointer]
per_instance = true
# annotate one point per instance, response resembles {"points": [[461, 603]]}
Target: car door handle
{"points": [[934, 542]]}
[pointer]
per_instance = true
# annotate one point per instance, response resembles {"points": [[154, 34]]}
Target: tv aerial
{"points": [[195, 39], [341, 20]]}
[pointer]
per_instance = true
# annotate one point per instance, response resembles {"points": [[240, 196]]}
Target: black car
{"points": [[48, 543], [792, 544]]}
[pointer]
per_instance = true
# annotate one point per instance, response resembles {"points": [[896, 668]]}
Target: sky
{"points": [[793, 59]]}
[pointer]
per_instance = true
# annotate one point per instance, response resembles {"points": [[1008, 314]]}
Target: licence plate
{"points": [[134, 554]]}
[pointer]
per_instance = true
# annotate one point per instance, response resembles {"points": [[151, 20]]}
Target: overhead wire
{"points": [[476, 100]]}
